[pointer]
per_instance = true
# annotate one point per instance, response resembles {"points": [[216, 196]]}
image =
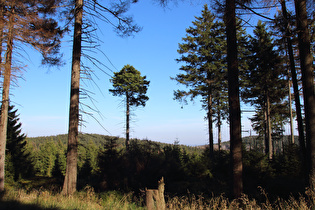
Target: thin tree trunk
{"points": [[294, 82], [70, 182], [5, 98], [234, 101], [306, 61], [210, 121], [269, 139], [127, 121], [219, 131], [266, 130], [291, 114]]}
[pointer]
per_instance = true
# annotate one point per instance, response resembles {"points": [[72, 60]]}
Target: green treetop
{"points": [[204, 56], [266, 85], [129, 83]]}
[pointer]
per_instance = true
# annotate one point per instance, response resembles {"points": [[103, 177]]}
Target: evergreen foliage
{"points": [[265, 86], [184, 168], [20, 163], [204, 56], [129, 83]]}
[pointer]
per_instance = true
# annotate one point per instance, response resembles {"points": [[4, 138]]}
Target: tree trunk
{"points": [[268, 123], [210, 121], [234, 101], [127, 121], [294, 82], [219, 131], [291, 114], [1, 35], [70, 182], [5, 98], [306, 61]]}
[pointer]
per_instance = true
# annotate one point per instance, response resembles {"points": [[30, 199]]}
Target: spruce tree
{"points": [[24, 22], [204, 56], [82, 32], [16, 147], [266, 87]]}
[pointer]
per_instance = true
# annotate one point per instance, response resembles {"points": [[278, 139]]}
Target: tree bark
{"points": [[1, 34], [155, 198], [5, 98], [219, 131], [210, 121], [234, 101], [306, 61], [268, 127], [70, 182], [291, 114], [294, 82], [127, 121]]}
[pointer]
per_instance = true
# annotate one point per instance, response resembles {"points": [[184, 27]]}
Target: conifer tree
{"points": [[204, 55], [129, 83], [234, 99], [16, 147], [80, 10], [307, 70], [266, 88], [25, 22]]}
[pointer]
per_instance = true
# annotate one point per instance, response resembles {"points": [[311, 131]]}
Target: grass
{"points": [[45, 199], [87, 199]]}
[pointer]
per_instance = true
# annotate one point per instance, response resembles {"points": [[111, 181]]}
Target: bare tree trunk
{"points": [[234, 100], [268, 122], [127, 121], [294, 82], [70, 182], [219, 131], [1, 34], [5, 98], [210, 122], [306, 61], [291, 114]]}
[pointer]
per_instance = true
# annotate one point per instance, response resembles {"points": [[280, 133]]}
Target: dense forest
{"points": [[270, 70], [105, 165]]}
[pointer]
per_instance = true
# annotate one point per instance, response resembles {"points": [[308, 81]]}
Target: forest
{"points": [[222, 66]]}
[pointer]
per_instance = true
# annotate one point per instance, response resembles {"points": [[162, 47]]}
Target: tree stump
{"points": [[155, 197]]}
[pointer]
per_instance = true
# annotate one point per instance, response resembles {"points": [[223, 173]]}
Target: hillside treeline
{"points": [[105, 165]]}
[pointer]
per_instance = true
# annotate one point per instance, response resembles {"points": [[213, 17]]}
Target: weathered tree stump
{"points": [[155, 198]]}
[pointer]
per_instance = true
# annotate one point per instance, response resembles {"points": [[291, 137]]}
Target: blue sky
{"points": [[42, 98]]}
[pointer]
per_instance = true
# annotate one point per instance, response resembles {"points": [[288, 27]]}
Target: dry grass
{"points": [[221, 202], [88, 199], [44, 199]]}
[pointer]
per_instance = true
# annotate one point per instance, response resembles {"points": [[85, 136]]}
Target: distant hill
{"points": [[101, 140], [249, 142]]}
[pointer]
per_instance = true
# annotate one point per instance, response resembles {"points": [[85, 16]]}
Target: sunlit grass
{"points": [[44, 199], [88, 199]]}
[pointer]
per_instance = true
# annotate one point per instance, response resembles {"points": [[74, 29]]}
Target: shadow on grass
{"points": [[15, 205]]}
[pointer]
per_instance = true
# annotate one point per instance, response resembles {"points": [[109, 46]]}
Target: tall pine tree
{"points": [[204, 56], [266, 86], [26, 22]]}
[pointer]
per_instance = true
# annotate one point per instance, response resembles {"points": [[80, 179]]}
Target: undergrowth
{"points": [[39, 199]]}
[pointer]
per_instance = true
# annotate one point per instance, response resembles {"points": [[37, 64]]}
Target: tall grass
{"points": [[88, 199], [45, 199]]}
